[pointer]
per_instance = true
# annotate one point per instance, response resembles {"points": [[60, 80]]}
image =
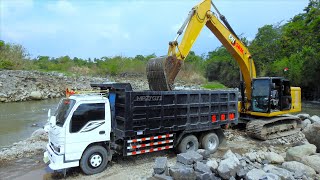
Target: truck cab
{"points": [[78, 122]]}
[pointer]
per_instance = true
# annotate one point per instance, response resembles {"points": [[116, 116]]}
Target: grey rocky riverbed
{"points": [[290, 157]]}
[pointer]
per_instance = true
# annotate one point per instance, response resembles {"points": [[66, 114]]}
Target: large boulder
{"points": [[213, 164], [282, 173], [160, 165], [298, 152], [189, 157], [305, 123], [229, 166], [315, 119], [274, 158], [312, 133], [254, 174], [299, 168], [36, 95], [39, 134], [303, 116], [181, 172], [312, 161]]}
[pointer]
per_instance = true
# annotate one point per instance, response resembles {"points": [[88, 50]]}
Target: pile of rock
{"points": [[311, 128], [300, 162], [35, 144]]}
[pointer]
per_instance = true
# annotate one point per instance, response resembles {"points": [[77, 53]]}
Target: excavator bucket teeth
{"points": [[161, 72]]}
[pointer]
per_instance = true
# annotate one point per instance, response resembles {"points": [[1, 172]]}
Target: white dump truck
{"points": [[87, 130]]}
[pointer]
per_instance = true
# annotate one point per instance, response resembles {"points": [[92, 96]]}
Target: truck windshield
{"points": [[63, 110]]}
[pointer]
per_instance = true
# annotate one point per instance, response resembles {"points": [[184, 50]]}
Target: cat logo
{"points": [[232, 39]]}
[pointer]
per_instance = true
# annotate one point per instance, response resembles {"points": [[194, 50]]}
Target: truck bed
{"points": [[155, 112]]}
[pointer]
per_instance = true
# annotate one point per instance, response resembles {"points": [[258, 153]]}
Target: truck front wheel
{"points": [[94, 160], [188, 143], [210, 142]]}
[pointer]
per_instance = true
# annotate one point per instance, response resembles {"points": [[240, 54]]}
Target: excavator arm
{"points": [[162, 71]]}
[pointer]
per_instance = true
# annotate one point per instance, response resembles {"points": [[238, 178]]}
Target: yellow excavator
{"points": [[265, 102]]}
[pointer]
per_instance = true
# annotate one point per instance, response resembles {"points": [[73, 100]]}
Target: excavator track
{"points": [[272, 128]]}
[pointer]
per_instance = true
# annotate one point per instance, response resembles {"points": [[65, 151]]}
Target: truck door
{"points": [[89, 122]]}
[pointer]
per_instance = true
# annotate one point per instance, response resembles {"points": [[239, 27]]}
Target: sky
{"points": [[96, 28]]}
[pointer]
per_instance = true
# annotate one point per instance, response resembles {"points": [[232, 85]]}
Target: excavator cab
{"points": [[270, 94]]}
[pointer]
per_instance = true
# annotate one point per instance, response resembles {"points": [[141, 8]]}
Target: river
{"points": [[16, 119]]}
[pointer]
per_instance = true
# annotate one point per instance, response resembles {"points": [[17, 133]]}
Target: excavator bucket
{"points": [[162, 71]]}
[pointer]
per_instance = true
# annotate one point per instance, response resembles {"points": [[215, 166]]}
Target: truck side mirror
{"points": [[49, 113], [53, 121]]}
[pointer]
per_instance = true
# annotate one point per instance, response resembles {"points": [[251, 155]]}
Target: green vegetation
{"points": [[294, 45], [214, 85]]}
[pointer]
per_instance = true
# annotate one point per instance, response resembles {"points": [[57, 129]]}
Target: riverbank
{"points": [[19, 85]]}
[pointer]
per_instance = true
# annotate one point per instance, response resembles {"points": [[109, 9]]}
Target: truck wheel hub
{"points": [[212, 144], [190, 146], [95, 160]]}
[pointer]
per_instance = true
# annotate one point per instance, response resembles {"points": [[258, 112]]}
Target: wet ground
{"points": [[132, 167]]}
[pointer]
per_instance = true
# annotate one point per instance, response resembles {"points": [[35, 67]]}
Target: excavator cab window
{"points": [[260, 95]]}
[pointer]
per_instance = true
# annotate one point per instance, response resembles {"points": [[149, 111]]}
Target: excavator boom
{"points": [[264, 100], [165, 69]]}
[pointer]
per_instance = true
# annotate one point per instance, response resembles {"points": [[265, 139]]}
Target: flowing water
{"points": [[19, 119], [16, 119]]}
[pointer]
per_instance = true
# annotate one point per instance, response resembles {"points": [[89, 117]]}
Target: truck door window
{"points": [[85, 113]]}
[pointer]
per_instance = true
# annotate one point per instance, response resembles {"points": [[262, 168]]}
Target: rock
{"points": [[312, 161], [203, 168], [296, 153], [255, 174], [303, 116], [203, 176], [252, 156], [229, 154], [160, 165], [205, 154], [282, 173], [242, 172], [229, 166], [270, 176], [274, 158], [298, 167], [35, 125], [36, 95], [312, 133], [189, 157], [180, 172], [305, 123], [315, 119], [213, 165], [39, 132], [162, 177]]}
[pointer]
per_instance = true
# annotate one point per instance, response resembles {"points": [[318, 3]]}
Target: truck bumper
{"points": [[56, 160]]}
